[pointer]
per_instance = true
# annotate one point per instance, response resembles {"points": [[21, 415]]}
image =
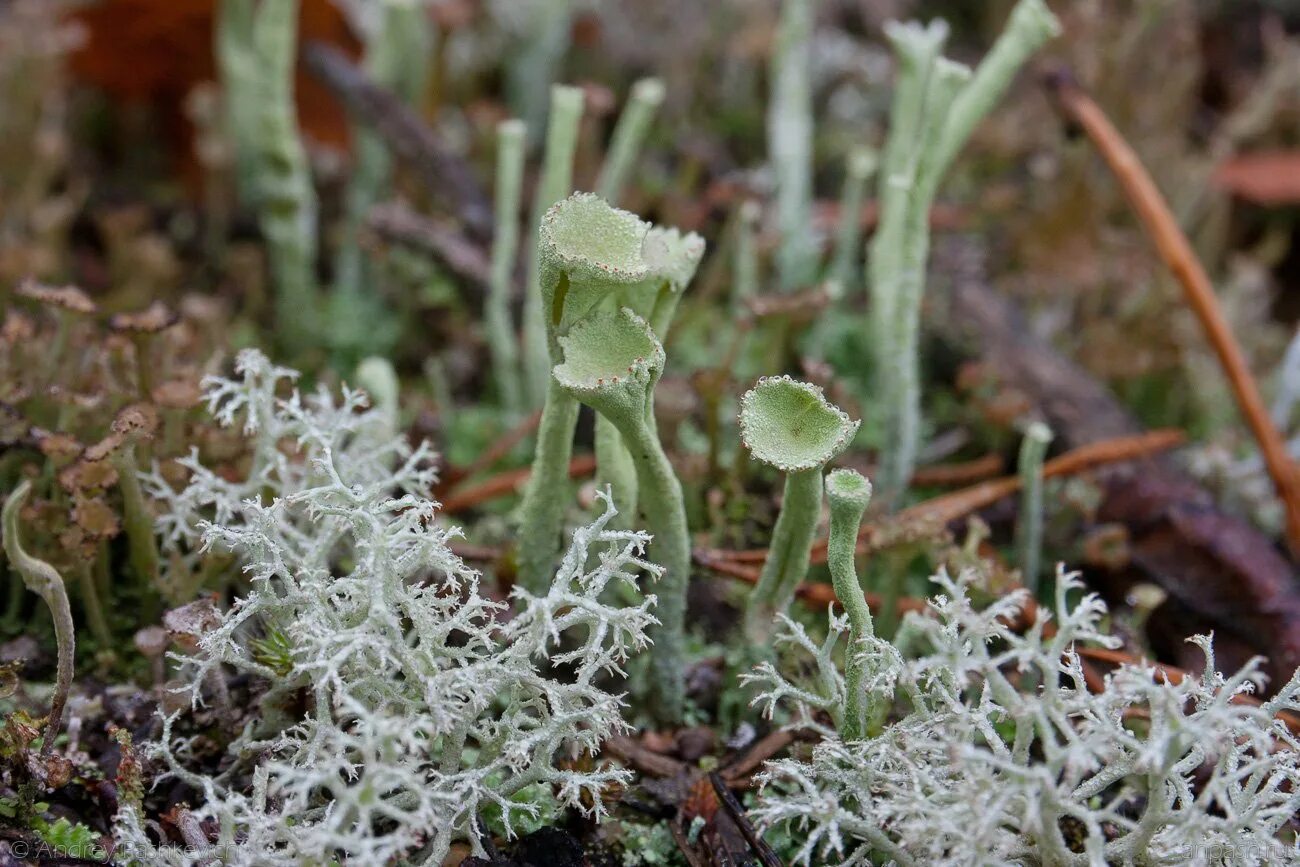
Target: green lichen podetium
{"points": [[849, 493], [671, 260], [42, 579], [505, 242], [586, 250], [287, 205], [1029, 527], [614, 466], [556, 183], [790, 143], [937, 104], [612, 361], [791, 426]]}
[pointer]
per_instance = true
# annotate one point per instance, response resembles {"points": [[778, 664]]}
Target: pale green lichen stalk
{"points": [[505, 244], [937, 105], [285, 195], [861, 166], [629, 134], [789, 136], [1029, 529], [42, 579], [555, 184], [671, 260], [612, 362], [791, 426], [849, 494], [237, 62], [613, 462]]}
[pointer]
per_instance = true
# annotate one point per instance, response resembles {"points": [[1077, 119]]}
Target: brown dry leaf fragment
{"points": [[153, 319], [1269, 178], [95, 518], [87, 475], [64, 297], [187, 624]]}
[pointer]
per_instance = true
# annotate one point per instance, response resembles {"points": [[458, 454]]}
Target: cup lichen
{"points": [[612, 362], [791, 426]]}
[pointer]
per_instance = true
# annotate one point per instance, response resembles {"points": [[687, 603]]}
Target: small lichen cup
{"points": [[587, 251], [791, 426], [612, 361]]}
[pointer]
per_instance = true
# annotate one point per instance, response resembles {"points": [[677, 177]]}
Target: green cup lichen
{"points": [[586, 251], [612, 362], [791, 426]]}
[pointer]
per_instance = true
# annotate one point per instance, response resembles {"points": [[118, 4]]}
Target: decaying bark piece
{"points": [[459, 254], [1221, 574]]}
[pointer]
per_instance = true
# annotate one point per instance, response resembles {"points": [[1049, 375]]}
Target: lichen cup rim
{"points": [[573, 226], [607, 350], [791, 426], [848, 486]]}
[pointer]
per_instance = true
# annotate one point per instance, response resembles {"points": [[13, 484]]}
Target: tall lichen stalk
{"points": [[593, 256], [286, 199], [42, 579], [502, 340], [849, 494], [612, 362], [791, 426], [236, 59], [1029, 526], [614, 465], [555, 184], [790, 145], [937, 105]]}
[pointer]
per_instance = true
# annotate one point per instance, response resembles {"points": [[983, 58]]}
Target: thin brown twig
{"points": [[460, 255], [953, 506], [507, 483], [644, 760], [493, 453], [1174, 675], [961, 473], [446, 174], [683, 845], [733, 808], [753, 758], [1181, 259]]}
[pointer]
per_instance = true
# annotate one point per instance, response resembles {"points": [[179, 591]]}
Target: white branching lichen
{"points": [[1002, 755], [427, 707]]}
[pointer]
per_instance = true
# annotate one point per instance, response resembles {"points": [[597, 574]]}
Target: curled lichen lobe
{"points": [[791, 426]]}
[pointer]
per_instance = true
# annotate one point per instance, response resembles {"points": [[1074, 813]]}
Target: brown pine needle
{"points": [[950, 507], [1178, 255], [506, 483]]}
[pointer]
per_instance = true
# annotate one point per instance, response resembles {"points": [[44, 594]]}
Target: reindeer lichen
{"points": [[426, 708], [973, 770]]}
